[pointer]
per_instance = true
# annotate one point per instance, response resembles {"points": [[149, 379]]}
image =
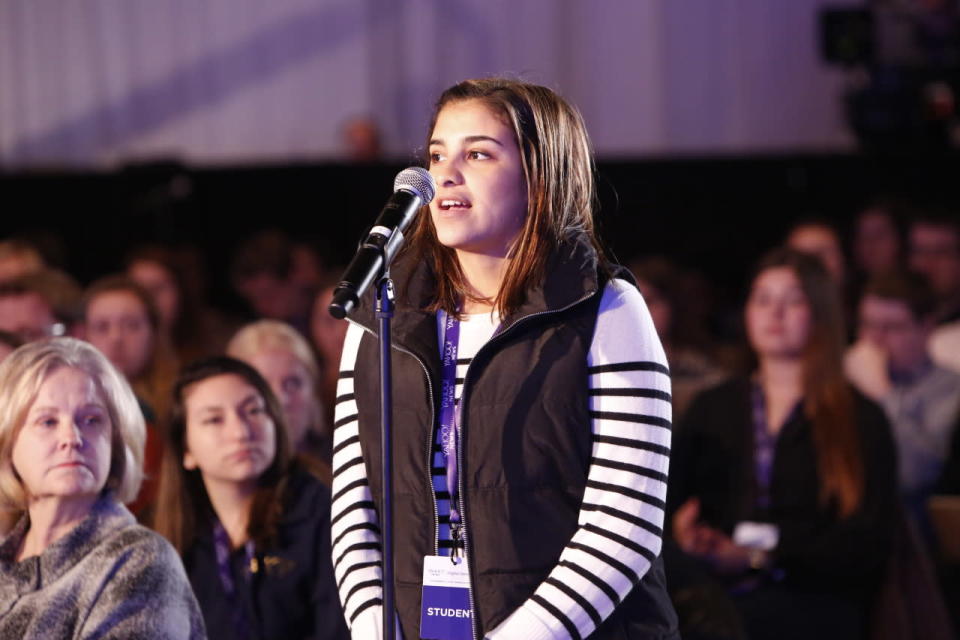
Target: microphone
{"points": [[413, 188]]}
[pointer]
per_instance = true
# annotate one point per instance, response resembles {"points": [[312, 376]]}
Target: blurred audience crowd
{"points": [[816, 457]]}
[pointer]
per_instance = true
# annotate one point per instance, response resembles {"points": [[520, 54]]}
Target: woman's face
{"points": [[118, 325], [161, 286], [230, 436], [481, 200], [63, 447], [778, 314], [294, 388]]}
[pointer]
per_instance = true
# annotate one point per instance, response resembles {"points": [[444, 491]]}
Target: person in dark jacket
{"points": [[253, 526], [531, 398], [784, 482]]}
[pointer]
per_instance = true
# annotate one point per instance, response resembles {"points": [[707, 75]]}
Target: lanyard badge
{"points": [[445, 612]]}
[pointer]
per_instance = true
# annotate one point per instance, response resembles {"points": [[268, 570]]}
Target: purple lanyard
{"points": [[449, 416], [764, 445], [221, 545]]}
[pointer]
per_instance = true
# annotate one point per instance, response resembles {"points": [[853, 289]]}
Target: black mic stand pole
{"points": [[385, 297]]}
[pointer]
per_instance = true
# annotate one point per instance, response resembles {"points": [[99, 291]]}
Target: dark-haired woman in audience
{"points": [[253, 526], [784, 482]]}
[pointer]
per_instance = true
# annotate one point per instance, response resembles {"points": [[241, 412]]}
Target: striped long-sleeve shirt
{"points": [[621, 515]]}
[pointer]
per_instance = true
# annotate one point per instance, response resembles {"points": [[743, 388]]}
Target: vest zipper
{"points": [[433, 417], [463, 406]]}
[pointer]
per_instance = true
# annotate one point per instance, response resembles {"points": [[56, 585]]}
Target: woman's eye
{"points": [[255, 411], [435, 157], [478, 155], [93, 421], [47, 422], [212, 420]]}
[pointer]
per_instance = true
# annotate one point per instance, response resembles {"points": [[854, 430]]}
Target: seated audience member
{"points": [[76, 564], [39, 305], [277, 277], [284, 358], [889, 364], [877, 240], [327, 335], [17, 259], [783, 483], [252, 525], [934, 252], [691, 368], [121, 320], [187, 323]]}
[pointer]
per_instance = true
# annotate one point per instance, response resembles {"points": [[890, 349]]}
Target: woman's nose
{"points": [[240, 428], [448, 175], [70, 434]]}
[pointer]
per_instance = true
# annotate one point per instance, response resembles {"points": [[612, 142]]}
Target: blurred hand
{"points": [[706, 543], [865, 365], [725, 556]]}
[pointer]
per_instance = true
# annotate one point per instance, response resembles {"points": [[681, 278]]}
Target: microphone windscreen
{"points": [[418, 180]]}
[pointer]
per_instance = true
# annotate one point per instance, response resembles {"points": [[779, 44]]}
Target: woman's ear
{"points": [[189, 462]]}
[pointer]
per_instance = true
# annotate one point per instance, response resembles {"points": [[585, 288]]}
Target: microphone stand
{"points": [[384, 308]]}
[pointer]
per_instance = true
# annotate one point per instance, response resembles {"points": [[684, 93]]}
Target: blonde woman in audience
{"points": [[76, 564]]}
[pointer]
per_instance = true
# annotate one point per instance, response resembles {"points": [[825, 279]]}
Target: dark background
{"points": [[716, 215]]}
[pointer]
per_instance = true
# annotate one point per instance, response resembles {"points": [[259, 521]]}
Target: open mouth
{"points": [[453, 204]]}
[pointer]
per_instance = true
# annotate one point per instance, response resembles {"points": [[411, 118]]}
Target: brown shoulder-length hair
{"points": [[182, 501], [828, 399], [559, 171]]}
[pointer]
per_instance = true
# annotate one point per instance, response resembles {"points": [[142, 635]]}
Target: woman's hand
{"points": [[711, 545], [690, 535]]}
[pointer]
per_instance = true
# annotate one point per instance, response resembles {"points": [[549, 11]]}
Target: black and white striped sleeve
{"points": [[622, 513], [355, 528]]}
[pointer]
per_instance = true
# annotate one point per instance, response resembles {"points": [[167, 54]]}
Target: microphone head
{"points": [[418, 181]]}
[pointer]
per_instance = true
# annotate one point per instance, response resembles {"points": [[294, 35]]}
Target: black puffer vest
{"points": [[526, 445]]}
